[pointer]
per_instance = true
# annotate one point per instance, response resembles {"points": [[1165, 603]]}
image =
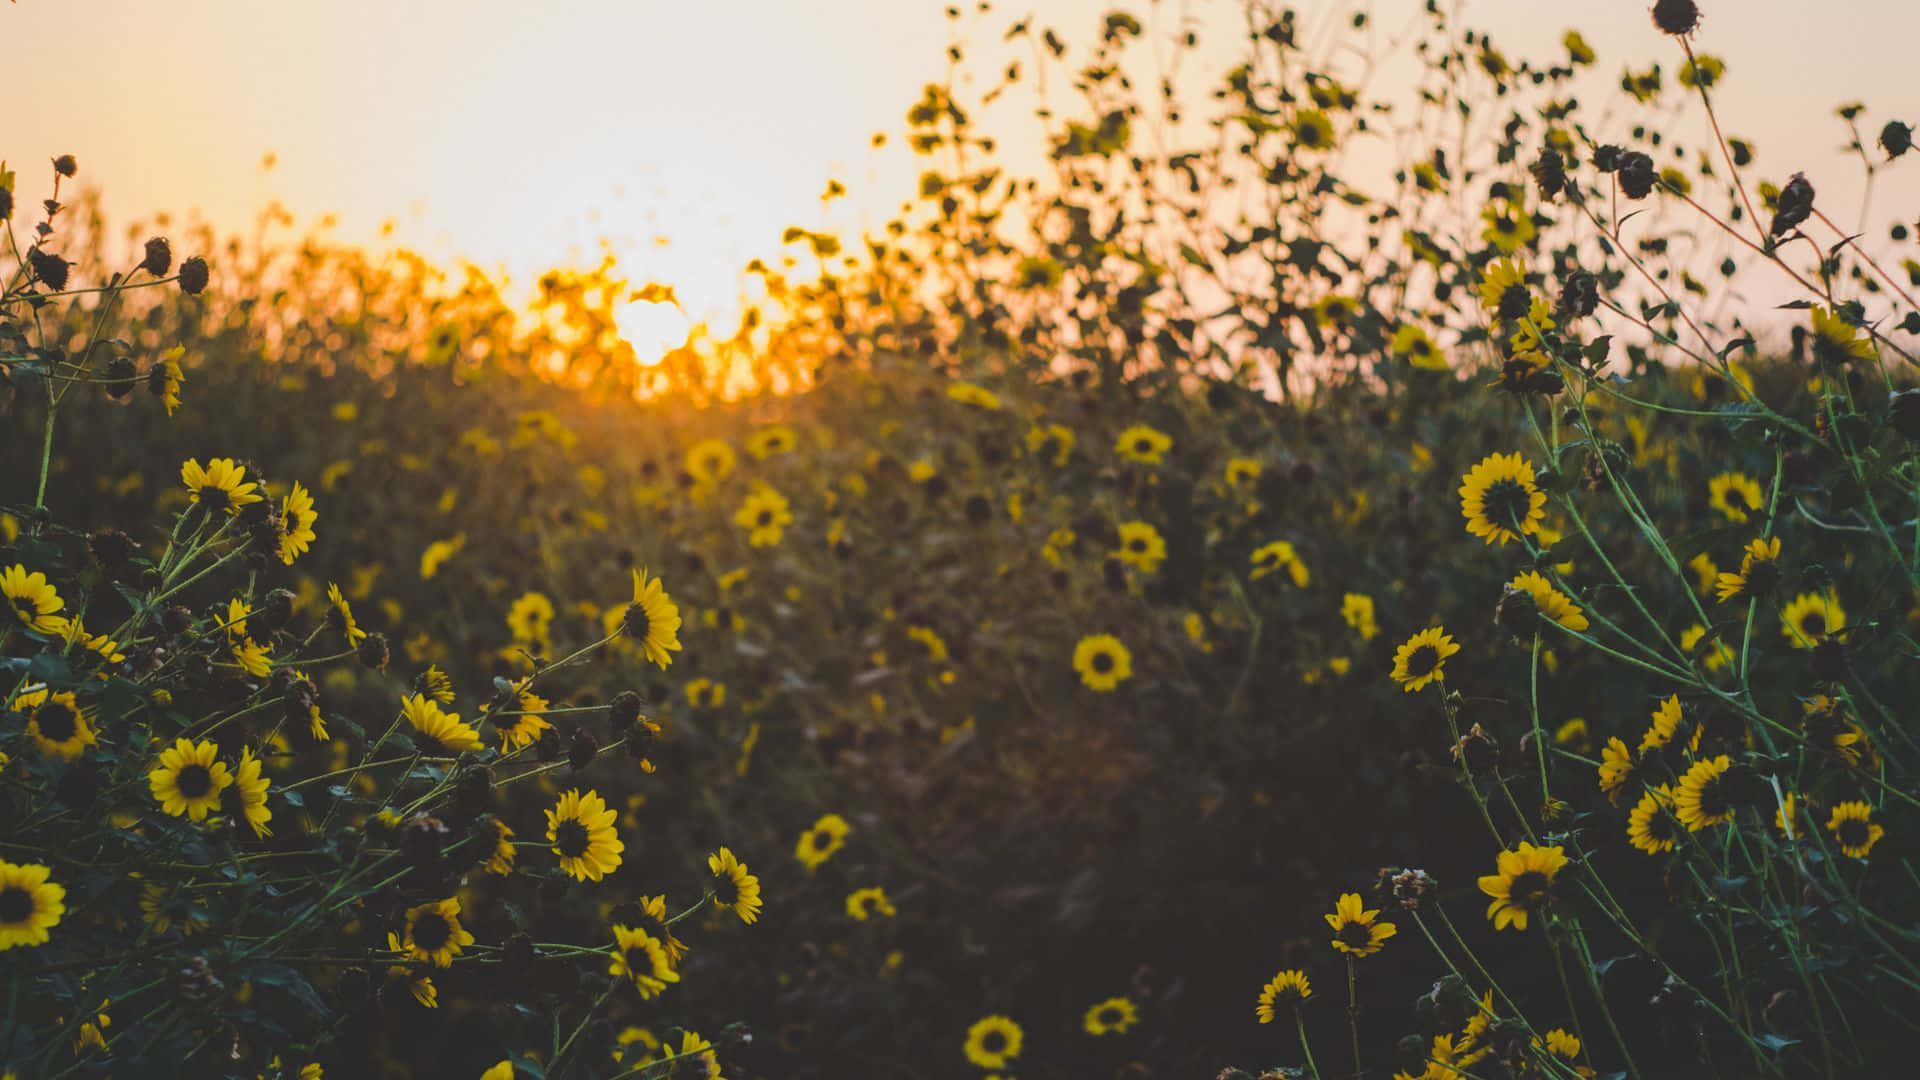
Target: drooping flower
{"points": [[444, 730], [734, 887], [297, 517], [1289, 987], [652, 621], [1555, 605]]}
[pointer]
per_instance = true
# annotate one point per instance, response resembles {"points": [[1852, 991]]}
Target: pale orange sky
{"points": [[519, 135]]}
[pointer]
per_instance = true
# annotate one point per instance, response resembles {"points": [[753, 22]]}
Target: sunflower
{"points": [[582, 832], [189, 778], [438, 553], [1358, 932], [1523, 884], [297, 516], [1111, 1017], [770, 440], [500, 862], [30, 905], [419, 984], [765, 515], [32, 600], [57, 723], [1102, 661], [437, 729], [525, 725], [165, 378], [1143, 444], [1551, 602], [530, 619], [1413, 343], [1735, 495], [929, 639], [432, 933], [1498, 496], [1854, 829], [1812, 617], [1756, 571], [340, 613], [1312, 130], [648, 1042], [1789, 818], [993, 1041], [1357, 610], [734, 887], [1651, 826], [1836, 341], [1702, 798], [818, 843], [500, 1070], [246, 800], [1141, 545], [695, 1052], [222, 485], [435, 684], [640, 956], [1617, 767], [1289, 987], [710, 461], [864, 904], [1508, 227], [1268, 558], [1059, 436], [1564, 1045], [970, 394], [1242, 471], [1422, 659], [652, 620], [1504, 293], [1667, 717], [649, 913]]}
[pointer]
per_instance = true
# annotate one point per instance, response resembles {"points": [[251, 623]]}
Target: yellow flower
{"points": [[581, 829], [1141, 545], [30, 904], [819, 843], [1616, 769], [1702, 798], [1854, 829], [710, 461], [340, 613], [1357, 931], [1111, 1017], [1759, 554], [166, 378], [189, 778], [1522, 884], [970, 394], [1504, 293], [1357, 610], [992, 1042], [1312, 130], [1508, 227], [1836, 341], [1270, 557], [1143, 444], [770, 440], [1736, 495], [57, 723], [1651, 825], [503, 1070], [864, 904], [526, 724], [438, 553], [1102, 661], [642, 957], [765, 515], [1810, 618], [1665, 725], [1412, 342], [1422, 659], [444, 730], [500, 863], [1287, 988], [32, 600], [250, 794], [432, 933], [734, 887], [297, 516], [221, 485], [1500, 500], [652, 620], [1550, 601], [1059, 436]]}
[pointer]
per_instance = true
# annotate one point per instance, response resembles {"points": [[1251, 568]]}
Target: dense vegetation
{"points": [[1187, 612]]}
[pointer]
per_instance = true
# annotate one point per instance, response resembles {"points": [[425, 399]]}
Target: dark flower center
{"points": [[638, 624], [765, 518], [1109, 1015], [571, 839], [1713, 798], [16, 905], [194, 781], [1355, 935], [1813, 624], [27, 609], [726, 890], [1102, 662], [637, 959], [1136, 544], [1853, 833], [1737, 500], [57, 723], [993, 1042], [1515, 301], [1531, 889], [431, 931], [1422, 661], [1505, 502], [1143, 446], [214, 498], [1505, 225], [822, 839]]}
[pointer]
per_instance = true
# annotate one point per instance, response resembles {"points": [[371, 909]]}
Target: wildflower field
{"points": [[1187, 614]]}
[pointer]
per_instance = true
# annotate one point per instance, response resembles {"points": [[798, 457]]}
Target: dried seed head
{"points": [[159, 257], [1676, 17], [65, 165], [193, 276]]}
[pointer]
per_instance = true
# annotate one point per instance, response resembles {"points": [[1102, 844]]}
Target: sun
{"points": [[653, 327]]}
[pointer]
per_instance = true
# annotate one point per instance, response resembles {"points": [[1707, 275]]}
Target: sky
{"points": [[688, 135]]}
